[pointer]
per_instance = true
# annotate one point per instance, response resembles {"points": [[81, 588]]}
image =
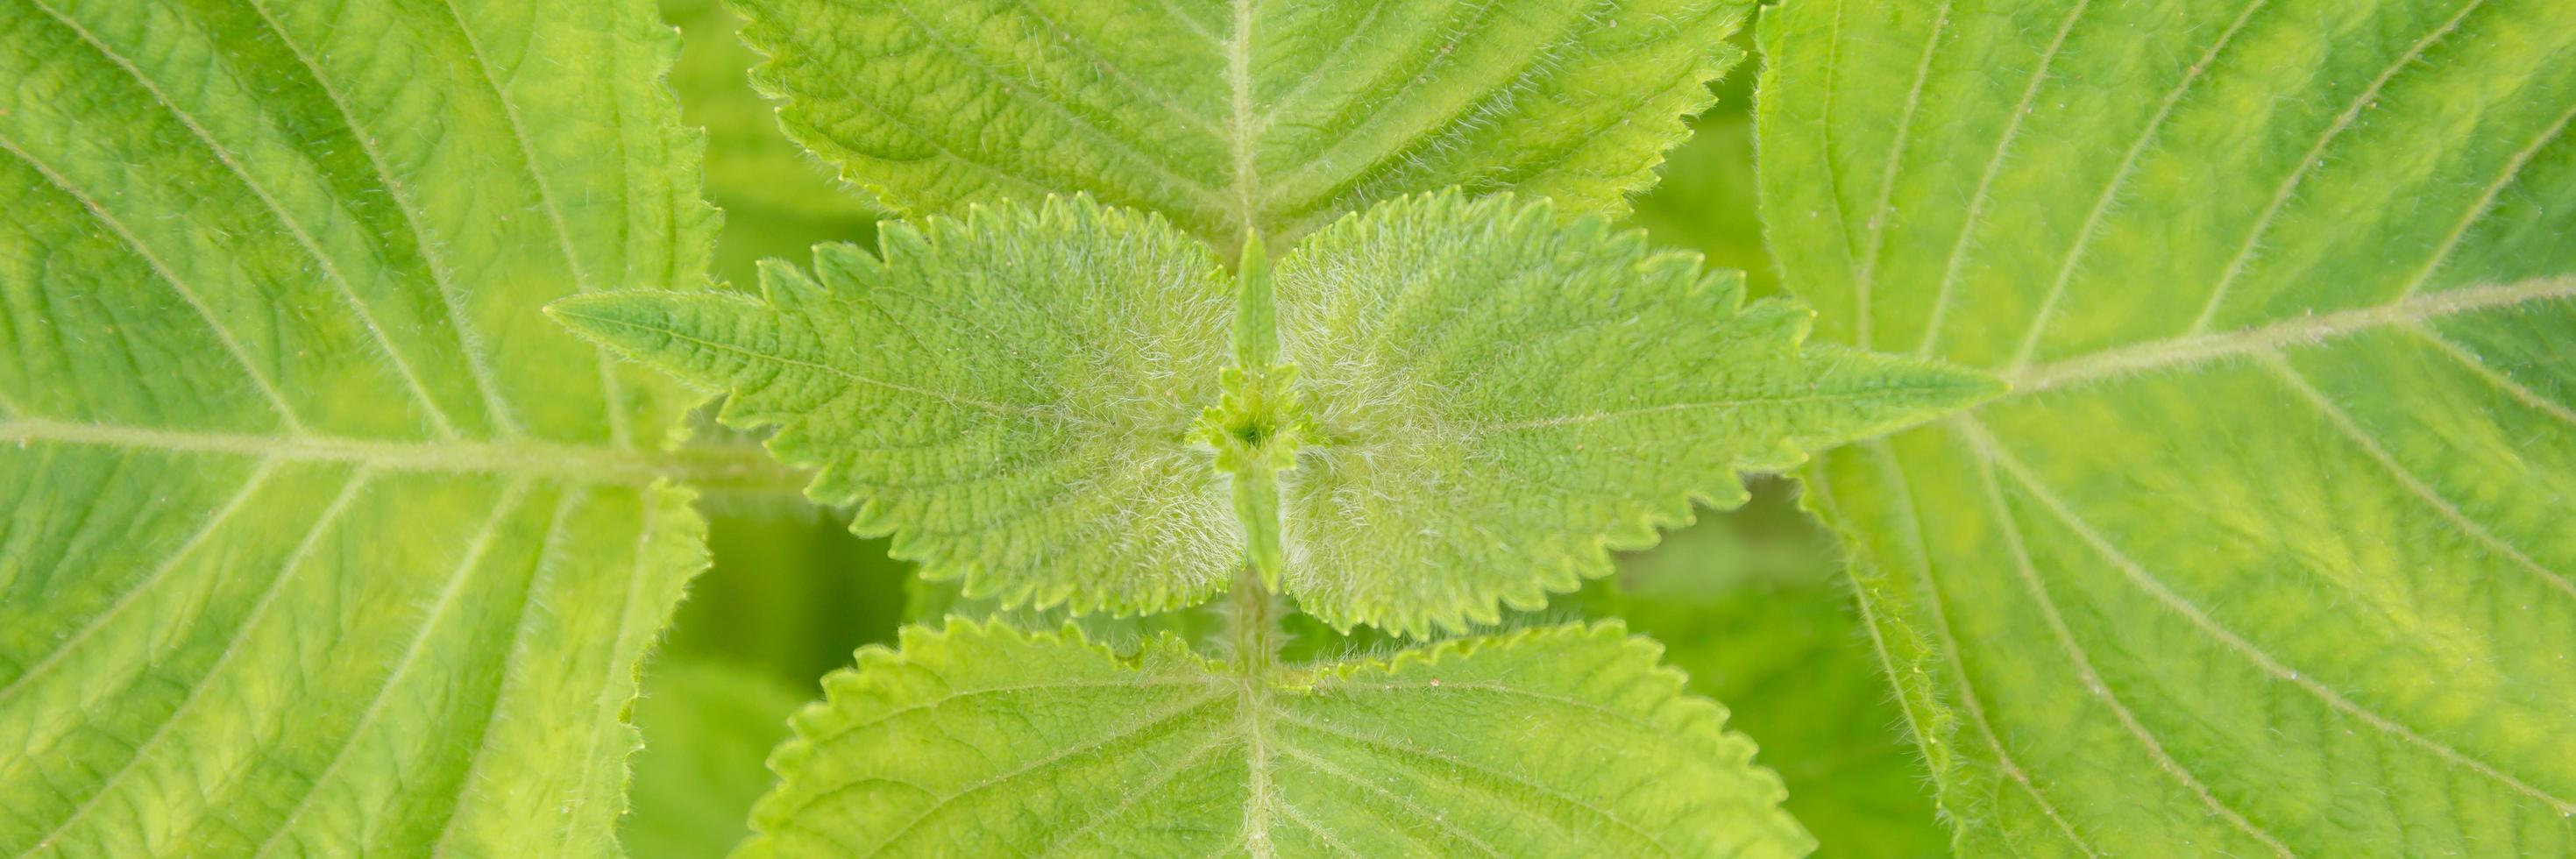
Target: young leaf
{"points": [[319, 538], [1010, 395], [986, 741], [2268, 553], [1475, 401], [1249, 115], [1500, 399]]}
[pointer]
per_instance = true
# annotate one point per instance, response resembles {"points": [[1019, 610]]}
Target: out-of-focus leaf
{"points": [[708, 727], [1750, 604], [1706, 200]]}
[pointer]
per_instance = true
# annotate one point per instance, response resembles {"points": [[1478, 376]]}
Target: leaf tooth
{"points": [[844, 269], [785, 286]]}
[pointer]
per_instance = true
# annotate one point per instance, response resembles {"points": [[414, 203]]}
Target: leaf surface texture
{"points": [[1264, 115], [2268, 552], [1474, 401], [982, 740], [320, 539]]}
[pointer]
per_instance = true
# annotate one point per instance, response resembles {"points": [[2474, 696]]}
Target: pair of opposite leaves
{"points": [[1426, 410]]}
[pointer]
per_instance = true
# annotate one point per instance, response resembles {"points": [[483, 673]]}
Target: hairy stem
{"points": [[1256, 307], [1256, 426], [1255, 634]]}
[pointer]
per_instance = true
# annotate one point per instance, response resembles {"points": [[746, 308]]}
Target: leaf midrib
{"points": [[707, 466], [1239, 125], [2305, 331]]}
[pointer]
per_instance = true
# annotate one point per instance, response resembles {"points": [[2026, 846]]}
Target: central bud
{"points": [[1259, 424]]}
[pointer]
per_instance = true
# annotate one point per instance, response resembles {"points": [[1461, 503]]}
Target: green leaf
{"points": [[707, 724], [320, 539], [1008, 394], [2268, 553], [1478, 402], [1250, 115], [986, 741], [1705, 195], [1531, 396]]}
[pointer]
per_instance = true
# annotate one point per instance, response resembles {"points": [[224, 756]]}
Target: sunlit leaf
{"points": [[1464, 404], [2268, 552], [986, 741], [320, 538], [1268, 115]]}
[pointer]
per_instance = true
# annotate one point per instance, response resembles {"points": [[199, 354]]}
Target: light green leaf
{"points": [[2269, 552], [1009, 395], [1502, 400], [707, 724], [1260, 115], [320, 539], [1477, 402], [986, 741]]}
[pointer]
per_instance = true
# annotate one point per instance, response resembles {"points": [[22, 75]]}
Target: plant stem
{"points": [[1256, 638], [1256, 308], [1254, 631]]}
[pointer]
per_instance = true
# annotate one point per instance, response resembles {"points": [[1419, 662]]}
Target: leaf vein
{"points": [[2310, 160], [449, 294], [1956, 261], [269, 592], [1866, 278], [2302, 331], [1949, 648], [2155, 587], [621, 434], [1596, 810], [2520, 392], [2092, 228], [277, 399], [475, 549], [214, 522], [1121, 146], [1319, 764], [439, 418], [1158, 719], [2074, 650], [2344, 423]]}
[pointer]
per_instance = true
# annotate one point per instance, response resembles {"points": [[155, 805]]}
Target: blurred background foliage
{"points": [[1751, 603]]}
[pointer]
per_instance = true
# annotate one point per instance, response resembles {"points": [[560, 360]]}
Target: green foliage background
{"points": [[1749, 603]]}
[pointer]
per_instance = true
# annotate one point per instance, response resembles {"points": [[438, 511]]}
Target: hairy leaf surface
{"points": [[984, 741], [1499, 399], [1010, 395], [319, 539], [1474, 401], [1262, 115], [2269, 551]]}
